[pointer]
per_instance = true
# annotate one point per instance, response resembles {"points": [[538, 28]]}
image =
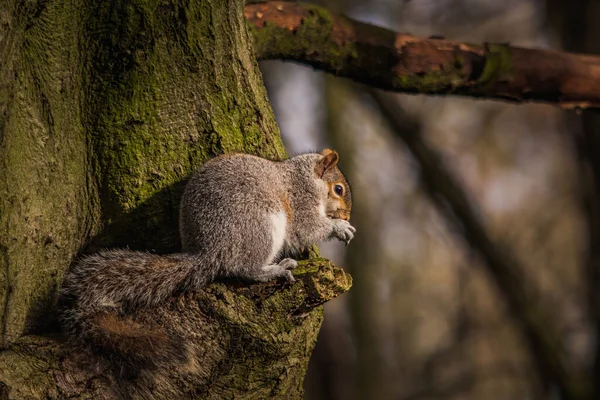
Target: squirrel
{"points": [[239, 215]]}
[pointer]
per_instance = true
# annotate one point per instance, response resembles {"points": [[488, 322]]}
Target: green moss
{"points": [[498, 64], [275, 325], [110, 106], [192, 91], [313, 35], [314, 39], [368, 54]]}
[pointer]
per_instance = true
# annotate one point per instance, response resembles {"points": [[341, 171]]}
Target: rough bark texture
{"points": [[105, 108], [400, 62], [245, 342]]}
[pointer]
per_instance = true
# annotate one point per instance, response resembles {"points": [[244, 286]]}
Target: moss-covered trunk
{"points": [[105, 107]]}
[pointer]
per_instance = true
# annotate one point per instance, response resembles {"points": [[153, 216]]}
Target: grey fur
{"points": [[230, 200], [239, 215]]}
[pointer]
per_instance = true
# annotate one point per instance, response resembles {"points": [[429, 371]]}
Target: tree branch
{"points": [[243, 341], [404, 63]]}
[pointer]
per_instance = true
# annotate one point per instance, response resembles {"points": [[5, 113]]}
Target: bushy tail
{"points": [[101, 294]]}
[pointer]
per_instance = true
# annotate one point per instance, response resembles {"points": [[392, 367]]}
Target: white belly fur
{"points": [[322, 210], [278, 230]]}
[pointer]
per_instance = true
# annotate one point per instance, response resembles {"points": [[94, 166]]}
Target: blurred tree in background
{"points": [[426, 319]]}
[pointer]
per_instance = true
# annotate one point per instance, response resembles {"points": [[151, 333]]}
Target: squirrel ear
{"points": [[329, 160]]}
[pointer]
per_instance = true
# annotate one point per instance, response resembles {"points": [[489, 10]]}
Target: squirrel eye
{"points": [[338, 189]]}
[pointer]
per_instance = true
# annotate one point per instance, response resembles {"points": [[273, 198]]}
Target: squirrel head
{"points": [[339, 197]]}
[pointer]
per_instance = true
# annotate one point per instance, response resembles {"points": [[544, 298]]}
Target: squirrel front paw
{"points": [[288, 263], [343, 230]]}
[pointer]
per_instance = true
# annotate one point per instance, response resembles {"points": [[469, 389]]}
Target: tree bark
{"points": [[105, 108], [404, 63]]}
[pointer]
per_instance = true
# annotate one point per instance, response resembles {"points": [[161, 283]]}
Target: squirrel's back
{"points": [[230, 199]]}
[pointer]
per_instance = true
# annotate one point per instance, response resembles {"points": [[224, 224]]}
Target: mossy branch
{"points": [[404, 63], [244, 341]]}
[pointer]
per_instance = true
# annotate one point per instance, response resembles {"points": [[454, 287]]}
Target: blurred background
{"points": [[425, 318]]}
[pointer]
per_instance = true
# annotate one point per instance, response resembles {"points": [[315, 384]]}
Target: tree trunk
{"points": [[105, 107]]}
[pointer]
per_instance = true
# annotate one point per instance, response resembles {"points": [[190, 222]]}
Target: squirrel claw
{"points": [[288, 276], [288, 263], [343, 230]]}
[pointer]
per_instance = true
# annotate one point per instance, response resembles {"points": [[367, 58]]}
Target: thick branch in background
{"points": [[244, 342], [445, 191], [404, 63]]}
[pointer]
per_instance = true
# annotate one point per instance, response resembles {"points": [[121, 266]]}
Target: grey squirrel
{"points": [[239, 215]]}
